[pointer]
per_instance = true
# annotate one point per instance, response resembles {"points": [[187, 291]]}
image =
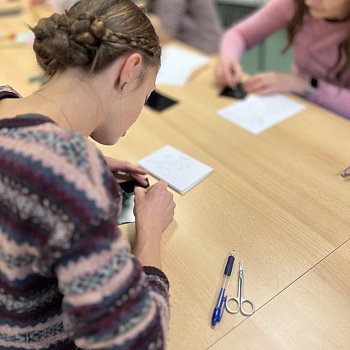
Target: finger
{"points": [[139, 193], [219, 75], [261, 90], [238, 73], [112, 163], [162, 184], [158, 186], [254, 84], [267, 90], [230, 75], [141, 179], [134, 168]]}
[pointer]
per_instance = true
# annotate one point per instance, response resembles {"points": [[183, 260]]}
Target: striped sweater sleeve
{"points": [[109, 300]]}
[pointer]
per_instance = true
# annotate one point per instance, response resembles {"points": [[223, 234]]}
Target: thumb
{"points": [[139, 192]]}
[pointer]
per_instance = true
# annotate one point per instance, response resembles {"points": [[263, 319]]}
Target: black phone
{"points": [[159, 102], [128, 186], [236, 92]]}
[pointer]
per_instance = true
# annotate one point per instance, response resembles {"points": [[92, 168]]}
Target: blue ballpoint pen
{"points": [[220, 304]]}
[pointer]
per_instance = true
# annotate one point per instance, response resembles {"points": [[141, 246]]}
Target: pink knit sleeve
{"points": [[255, 28], [332, 97]]}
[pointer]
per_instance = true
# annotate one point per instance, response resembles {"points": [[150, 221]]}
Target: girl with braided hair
{"points": [[67, 279], [319, 31]]}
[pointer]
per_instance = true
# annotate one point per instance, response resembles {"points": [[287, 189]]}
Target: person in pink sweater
{"points": [[319, 31]]}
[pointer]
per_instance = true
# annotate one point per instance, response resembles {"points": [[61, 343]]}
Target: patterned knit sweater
{"points": [[67, 279], [315, 49]]}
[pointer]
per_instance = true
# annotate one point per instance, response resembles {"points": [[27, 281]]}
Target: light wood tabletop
{"points": [[276, 198], [18, 63], [313, 313]]}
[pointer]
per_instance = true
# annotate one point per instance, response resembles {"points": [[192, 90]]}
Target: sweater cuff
{"points": [[7, 91], [151, 270]]}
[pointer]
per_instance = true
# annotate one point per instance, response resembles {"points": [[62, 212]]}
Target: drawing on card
{"points": [[178, 169], [172, 162]]}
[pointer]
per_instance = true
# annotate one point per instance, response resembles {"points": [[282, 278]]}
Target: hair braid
{"points": [[92, 34], [137, 43]]}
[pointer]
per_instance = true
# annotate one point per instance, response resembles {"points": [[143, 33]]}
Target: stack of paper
{"points": [[177, 65], [179, 170]]}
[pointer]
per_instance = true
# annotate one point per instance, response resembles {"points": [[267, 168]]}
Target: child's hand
{"points": [[272, 82], [228, 72]]}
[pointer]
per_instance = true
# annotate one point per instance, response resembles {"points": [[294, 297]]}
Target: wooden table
{"points": [[18, 63], [275, 198], [312, 313], [278, 200]]}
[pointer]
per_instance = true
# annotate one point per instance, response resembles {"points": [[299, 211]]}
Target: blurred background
{"points": [[266, 56]]}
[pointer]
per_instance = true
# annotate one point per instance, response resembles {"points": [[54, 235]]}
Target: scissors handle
{"points": [[229, 309], [240, 306], [244, 310]]}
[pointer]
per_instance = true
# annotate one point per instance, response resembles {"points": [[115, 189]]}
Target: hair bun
{"points": [[61, 40], [92, 33], [88, 30]]}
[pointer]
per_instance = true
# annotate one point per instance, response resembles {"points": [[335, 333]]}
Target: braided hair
{"points": [[92, 34]]}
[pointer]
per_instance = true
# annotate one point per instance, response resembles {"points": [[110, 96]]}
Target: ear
{"points": [[130, 70]]}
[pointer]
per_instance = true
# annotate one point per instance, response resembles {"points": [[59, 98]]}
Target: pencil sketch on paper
{"points": [[259, 113], [178, 169], [172, 162]]}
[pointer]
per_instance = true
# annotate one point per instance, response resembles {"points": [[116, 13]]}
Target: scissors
{"points": [[240, 301]]}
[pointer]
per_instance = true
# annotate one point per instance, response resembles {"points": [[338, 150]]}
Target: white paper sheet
{"points": [[258, 113], [177, 65], [179, 170], [127, 211]]}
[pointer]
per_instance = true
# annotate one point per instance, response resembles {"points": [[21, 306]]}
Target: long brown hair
{"points": [[92, 34], [343, 60]]}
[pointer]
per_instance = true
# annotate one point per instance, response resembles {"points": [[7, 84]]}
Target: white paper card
{"points": [[178, 169], [177, 65], [127, 211], [258, 113]]}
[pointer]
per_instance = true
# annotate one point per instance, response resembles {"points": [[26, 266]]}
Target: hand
{"points": [[154, 210], [134, 171], [228, 72], [272, 82]]}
